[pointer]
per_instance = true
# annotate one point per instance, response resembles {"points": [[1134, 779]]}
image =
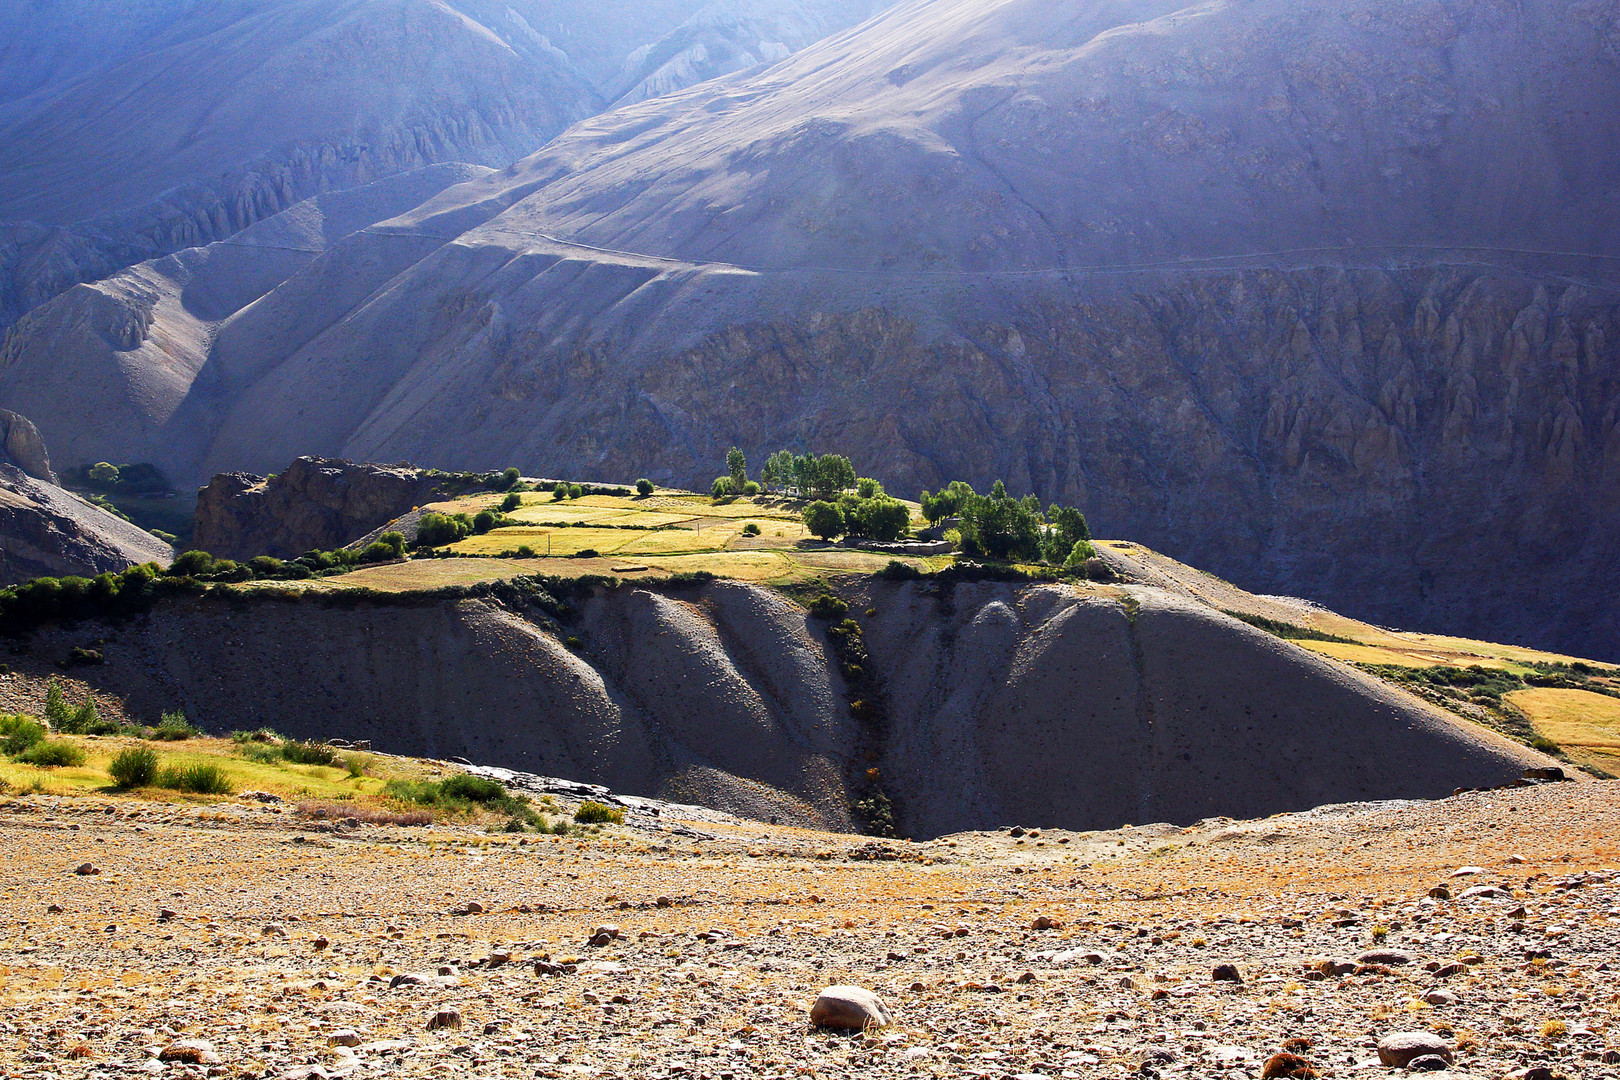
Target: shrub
{"points": [[586, 553], [174, 727], [436, 530], [377, 551], [86, 720], [524, 551], [336, 811], [483, 522], [19, 733], [644, 486], [511, 503], [868, 488], [595, 813], [828, 606], [51, 754], [899, 571], [750, 487], [720, 488], [471, 788], [509, 479], [1078, 554], [267, 566], [308, 753], [576, 491], [135, 767], [750, 529], [1545, 745], [198, 779]]}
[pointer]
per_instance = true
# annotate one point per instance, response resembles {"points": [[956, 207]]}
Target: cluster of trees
{"points": [[868, 512], [1002, 527], [823, 477]]}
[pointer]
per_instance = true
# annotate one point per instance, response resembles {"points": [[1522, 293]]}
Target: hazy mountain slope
{"points": [[133, 128], [48, 532], [115, 363], [235, 111], [1256, 282], [1045, 705]]}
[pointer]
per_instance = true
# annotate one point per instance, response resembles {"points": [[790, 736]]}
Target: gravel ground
{"points": [[236, 940]]}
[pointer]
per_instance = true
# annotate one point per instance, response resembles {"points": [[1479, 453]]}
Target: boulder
{"points": [[1399, 1049], [1388, 957], [851, 1008]]}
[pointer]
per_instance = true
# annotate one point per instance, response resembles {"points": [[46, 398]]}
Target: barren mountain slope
{"points": [[1058, 706], [130, 129], [48, 532], [1275, 287]]}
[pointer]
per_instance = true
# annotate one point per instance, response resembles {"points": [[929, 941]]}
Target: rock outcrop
{"points": [[314, 503], [22, 446], [48, 532], [1042, 705]]}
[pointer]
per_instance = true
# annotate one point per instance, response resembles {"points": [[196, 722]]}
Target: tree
{"points": [[831, 475], [868, 488], [644, 487], [483, 522], [1067, 528], [1078, 554], [509, 479], [804, 472], [57, 710], [195, 564], [436, 530], [720, 488], [881, 518], [1001, 526], [736, 468], [104, 473], [511, 503], [824, 519]]}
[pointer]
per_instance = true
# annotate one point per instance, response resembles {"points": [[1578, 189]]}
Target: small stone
{"points": [[1467, 871], [1226, 973], [1026, 978], [274, 929], [1611, 1057], [498, 958], [190, 1051], [168, 915], [1044, 922], [86, 869], [344, 1037], [445, 1020], [1428, 1063], [1489, 892], [1516, 860], [1399, 1049], [1440, 892], [55, 909], [1446, 971], [1441, 997], [319, 943], [850, 1008], [1387, 957]]}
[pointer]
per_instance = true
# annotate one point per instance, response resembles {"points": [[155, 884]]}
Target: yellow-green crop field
{"points": [[1585, 724]]}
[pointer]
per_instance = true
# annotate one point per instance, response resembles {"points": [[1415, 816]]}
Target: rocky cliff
{"points": [[48, 532], [313, 503], [1079, 708]]}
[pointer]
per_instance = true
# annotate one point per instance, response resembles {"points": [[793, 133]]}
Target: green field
{"points": [[1585, 724]]}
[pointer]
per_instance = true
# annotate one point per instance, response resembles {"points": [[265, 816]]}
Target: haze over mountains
{"points": [[1319, 295], [134, 128]]}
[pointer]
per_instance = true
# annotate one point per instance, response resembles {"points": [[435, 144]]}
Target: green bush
{"points": [[377, 551], [436, 530], [828, 606], [308, 753], [824, 519], [19, 733], [469, 788], [511, 503], [51, 754], [751, 529], [199, 779], [57, 710], [509, 479], [644, 486], [85, 720], [174, 727], [595, 813], [135, 767]]}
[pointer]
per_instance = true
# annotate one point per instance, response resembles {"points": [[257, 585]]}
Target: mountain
{"points": [[132, 128], [1318, 295]]}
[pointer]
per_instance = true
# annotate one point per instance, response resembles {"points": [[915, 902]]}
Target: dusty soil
{"points": [[282, 936]]}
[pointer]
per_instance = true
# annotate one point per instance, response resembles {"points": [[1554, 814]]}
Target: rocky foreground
{"points": [[241, 940]]}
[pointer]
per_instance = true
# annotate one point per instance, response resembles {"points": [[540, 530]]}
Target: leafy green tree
{"points": [[736, 468], [644, 487], [1002, 527], [720, 488], [509, 479], [832, 474], [483, 522], [194, 564], [57, 710], [824, 519], [436, 530], [881, 518], [868, 488], [511, 503], [1078, 554], [1067, 527], [804, 472], [104, 473]]}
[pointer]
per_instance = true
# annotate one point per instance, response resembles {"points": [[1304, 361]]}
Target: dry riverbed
{"points": [[236, 940]]}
